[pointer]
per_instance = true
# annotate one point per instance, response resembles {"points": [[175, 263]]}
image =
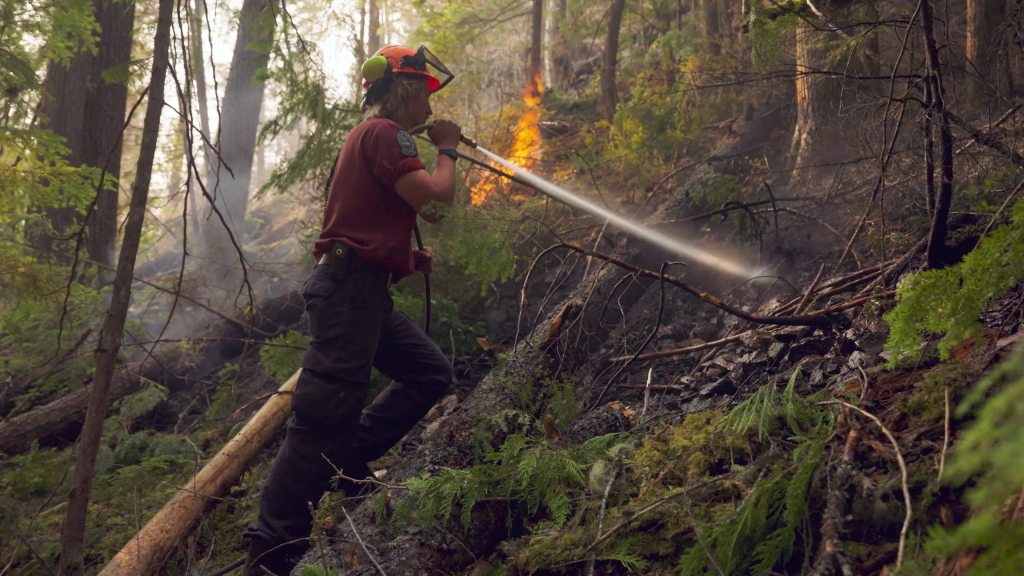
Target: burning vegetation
{"points": [[525, 149]]}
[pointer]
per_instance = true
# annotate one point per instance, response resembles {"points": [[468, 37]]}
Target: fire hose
{"points": [[419, 239]]}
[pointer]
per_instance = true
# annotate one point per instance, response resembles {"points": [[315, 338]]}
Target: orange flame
{"points": [[525, 145]]}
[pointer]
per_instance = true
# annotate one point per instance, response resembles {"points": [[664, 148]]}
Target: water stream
{"points": [[689, 253]]}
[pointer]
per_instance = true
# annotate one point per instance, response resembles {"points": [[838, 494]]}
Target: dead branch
{"points": [[986, 140], [809, 320], [903, 472], [810, 290], [361, 543], [679, 351], [600, 520], [654, 332]]}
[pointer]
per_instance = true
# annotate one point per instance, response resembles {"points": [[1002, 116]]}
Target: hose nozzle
{"points": [[462, 137]]}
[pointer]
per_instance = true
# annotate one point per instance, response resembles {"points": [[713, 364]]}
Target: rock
{"points": [[792, 333], [721, 386], [863, 359], [769, 307], [873, 342], [726, 361], [757, 357], [757, 340], [809, 347], [705, 331]]}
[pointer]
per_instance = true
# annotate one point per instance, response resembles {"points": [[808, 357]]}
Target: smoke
{"points": [[690, 253]]}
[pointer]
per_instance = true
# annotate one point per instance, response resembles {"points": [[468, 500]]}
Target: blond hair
{"points": [[393, 101]]}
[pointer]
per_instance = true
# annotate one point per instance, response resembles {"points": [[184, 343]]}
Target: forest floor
{"points": [[564, 447]]}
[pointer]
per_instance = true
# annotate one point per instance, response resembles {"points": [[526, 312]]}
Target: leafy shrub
{"points": [[35, 473], [529, 471], [989, 455], [949, 302], [279, 362]]}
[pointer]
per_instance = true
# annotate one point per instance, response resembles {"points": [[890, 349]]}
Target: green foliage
{"points": [[279, 362], [310, 570], [988, 457], [766, 411], [949, 302], [140, 403], [34, 473], [531, 472], [764, 529], [477, 241], [768, 29], [33, 172], [127, 72]]}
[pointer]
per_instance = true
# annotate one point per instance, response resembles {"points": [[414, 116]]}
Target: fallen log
{"points": [[147, 551], [167, 366]]}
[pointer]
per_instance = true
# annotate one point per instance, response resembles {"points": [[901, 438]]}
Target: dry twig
{"points": [[903, 473]]}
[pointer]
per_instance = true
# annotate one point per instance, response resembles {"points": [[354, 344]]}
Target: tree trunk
{"points": [[63, 112], [817, 137], [175, 371], [561, 58], [104, 118], [196, 40], [609, 61], [940, 118], [73, 532], [373, 30], [534, 62], [243, 98], [89, 113], [987, 53], [712, 27]]}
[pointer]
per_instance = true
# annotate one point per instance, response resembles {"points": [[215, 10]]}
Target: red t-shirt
{"points": [[363, 209]]}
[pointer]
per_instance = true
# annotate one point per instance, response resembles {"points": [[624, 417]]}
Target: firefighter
{"points": [[377, 189]]}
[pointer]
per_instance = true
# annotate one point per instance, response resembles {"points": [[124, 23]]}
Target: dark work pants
{"points": [[354, 325]]}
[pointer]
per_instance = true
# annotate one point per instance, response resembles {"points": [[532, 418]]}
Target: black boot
{"points": [[262, 558]]}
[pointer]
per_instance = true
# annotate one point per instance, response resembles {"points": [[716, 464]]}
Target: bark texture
{"points": [[534, 62], [987, 53], [373, 29], [712, 26], [73, 533], [609, 61], [104, 117], [817, 135], [939, 118], [88, 113], [243, 99], [169, 367]]}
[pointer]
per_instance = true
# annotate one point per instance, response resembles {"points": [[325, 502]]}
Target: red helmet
{"points": [[391, 60]]}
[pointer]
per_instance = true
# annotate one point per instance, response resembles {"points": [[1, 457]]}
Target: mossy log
{"points": [[147, 551], [169, 366]]}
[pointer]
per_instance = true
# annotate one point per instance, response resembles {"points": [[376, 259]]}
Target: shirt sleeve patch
{"points": [[406, 143]]}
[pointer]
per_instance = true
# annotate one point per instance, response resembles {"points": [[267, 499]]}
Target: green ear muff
{"points": [[375, 68]]}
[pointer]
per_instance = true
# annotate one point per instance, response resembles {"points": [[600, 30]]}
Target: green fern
{"points": [[310, 570], [280, 362], [949, 302], [527, 471], [989, 457]]}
